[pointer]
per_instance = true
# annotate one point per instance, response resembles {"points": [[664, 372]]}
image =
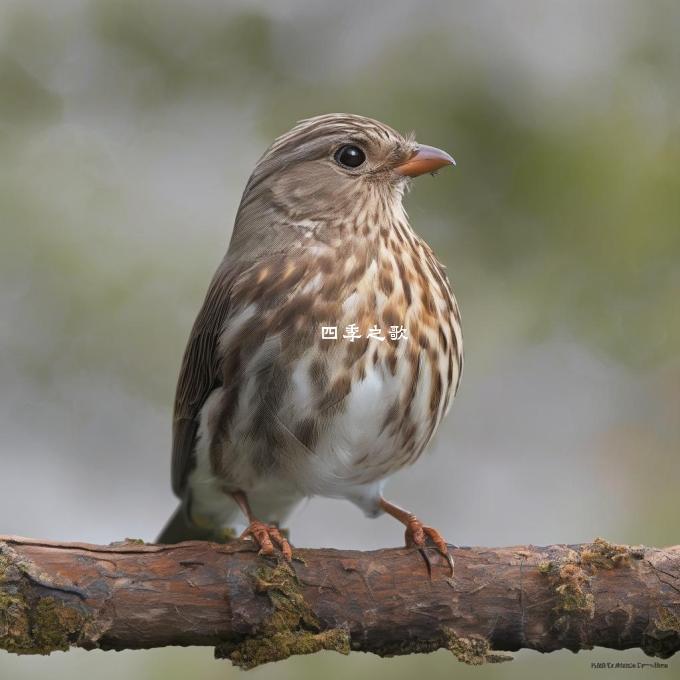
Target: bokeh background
{"points": [[127, 132]]}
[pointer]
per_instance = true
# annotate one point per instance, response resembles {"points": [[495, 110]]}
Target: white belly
{"points": [[353, 456]]}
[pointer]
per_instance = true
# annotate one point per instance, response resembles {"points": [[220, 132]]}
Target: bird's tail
{"points": [[180, 528]]}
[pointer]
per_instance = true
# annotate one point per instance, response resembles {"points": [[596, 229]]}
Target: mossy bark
{"points": [[255, 610], [33, 621], [292, 627]]}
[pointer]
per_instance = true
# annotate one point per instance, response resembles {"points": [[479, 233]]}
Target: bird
{"points": [[329, 345]]}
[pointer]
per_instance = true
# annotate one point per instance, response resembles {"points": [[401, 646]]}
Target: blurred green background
{"points": [[127, 132]]}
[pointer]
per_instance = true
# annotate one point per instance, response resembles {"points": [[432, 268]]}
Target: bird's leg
{"points": [[416, 532], [265, 535]]}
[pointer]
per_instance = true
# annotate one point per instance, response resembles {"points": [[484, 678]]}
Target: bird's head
{"points": [[332, 167]]}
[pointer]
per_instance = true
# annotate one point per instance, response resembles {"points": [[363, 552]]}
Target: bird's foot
{"points": [[267, 536], [416, 537]]}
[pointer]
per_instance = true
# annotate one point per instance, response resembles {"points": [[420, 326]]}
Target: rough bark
{"points": [[254, 609]]}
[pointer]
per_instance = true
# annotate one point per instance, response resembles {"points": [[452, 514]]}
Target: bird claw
{"points": [[416, 537], [267, 536]]}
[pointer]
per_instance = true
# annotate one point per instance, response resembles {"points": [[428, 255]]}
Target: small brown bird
{"points": [[329, 344]]}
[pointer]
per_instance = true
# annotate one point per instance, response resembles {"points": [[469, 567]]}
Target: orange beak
{"points": [[425, 159]]}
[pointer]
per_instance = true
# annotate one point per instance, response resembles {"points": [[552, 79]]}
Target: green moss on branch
{"points": [[292, 627], [40, 625]]}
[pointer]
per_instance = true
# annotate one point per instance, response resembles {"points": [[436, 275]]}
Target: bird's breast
{"points": [[339, 365]]}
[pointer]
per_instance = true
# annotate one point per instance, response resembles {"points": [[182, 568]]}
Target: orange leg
{"points": [[416, 532], [265, 535]]}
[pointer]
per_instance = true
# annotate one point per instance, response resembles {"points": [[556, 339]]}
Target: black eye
{"points": [[350, 156]]}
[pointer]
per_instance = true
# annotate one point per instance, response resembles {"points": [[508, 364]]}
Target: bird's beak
{"points": [[425, 159]]}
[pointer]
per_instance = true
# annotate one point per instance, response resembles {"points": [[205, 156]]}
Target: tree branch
{"points": [[254, 609]]}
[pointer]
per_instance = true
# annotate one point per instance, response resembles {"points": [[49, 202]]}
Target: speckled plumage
{"points": [[267, 407]]}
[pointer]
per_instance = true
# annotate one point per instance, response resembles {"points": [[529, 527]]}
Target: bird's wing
{"points": [[200, 373]]}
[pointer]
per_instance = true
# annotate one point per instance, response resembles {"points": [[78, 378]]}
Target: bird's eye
{"points": [[350, 156]]}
